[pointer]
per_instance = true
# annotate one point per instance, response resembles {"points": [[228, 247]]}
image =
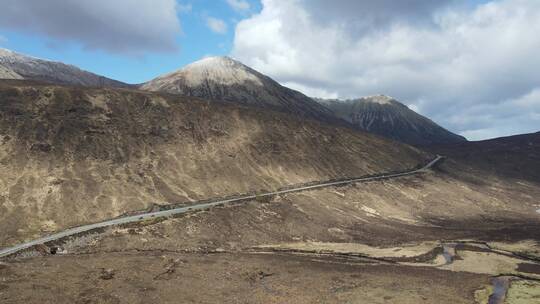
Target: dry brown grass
{"points": [[71, 155]]}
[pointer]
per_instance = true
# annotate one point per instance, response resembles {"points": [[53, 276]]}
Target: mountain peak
{"points": [[5, 51], [380, 99], [222, 70], [213, 61], [9, 55], [384, 115], [19, 66], [376, 99], [227, 80]]}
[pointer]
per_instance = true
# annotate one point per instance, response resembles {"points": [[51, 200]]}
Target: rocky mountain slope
{"points": [[388, 117], [7, 73], [70, 155], [17, 66], [224, 79]]}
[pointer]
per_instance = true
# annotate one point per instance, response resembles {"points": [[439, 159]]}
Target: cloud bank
{"points": [[473, 69], [119, 26]]}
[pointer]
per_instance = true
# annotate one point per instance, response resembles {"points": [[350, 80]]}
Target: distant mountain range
{"points": [[227, 80], [17, 66], [388, 117]]}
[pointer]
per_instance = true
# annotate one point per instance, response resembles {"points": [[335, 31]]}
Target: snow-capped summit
{"points": [[388, 117], [225, 79], [380, 99], [9, 56], [18, 66], [6, 54], [222, 70]]}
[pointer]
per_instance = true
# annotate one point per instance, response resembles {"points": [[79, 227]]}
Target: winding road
{"points": [[166, 213]]}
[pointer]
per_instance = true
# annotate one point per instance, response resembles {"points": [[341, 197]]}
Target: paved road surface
{"points": [[166, 213]]}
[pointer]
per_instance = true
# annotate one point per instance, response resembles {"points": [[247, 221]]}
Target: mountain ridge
{"points": [[386, 116], [226, 79], [14, 65]]}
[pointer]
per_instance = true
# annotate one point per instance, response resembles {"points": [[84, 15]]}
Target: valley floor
{"points": [[166, 277], [449, 236]]}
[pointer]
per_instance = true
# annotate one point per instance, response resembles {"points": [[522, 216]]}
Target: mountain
{"points": [[7, 73], [388, 117], [17, 66], [225, 79], [71, 154]]}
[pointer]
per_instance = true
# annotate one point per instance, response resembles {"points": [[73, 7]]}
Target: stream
{"points": [[449, 252], [500, 288], [500, 284]]}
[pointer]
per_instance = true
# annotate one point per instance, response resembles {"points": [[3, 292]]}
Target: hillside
{"points": [[18, 66], [70, 155], [388, 117], [515, 156], [225, 79], [450, 228]]}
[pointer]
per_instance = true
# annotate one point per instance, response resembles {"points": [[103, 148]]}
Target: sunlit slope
{"points": [[70, 155]]}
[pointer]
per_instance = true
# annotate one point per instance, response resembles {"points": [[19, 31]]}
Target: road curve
{"points": [[158, 214]]}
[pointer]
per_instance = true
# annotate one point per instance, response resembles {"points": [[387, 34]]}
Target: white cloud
{"points": [[239, 5], [463, 66], [216, 25], [310, 91], [119, 26], [502, 118], [530, 100]]}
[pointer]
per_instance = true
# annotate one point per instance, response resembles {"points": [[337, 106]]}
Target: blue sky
{"points": [[196, 41]]}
